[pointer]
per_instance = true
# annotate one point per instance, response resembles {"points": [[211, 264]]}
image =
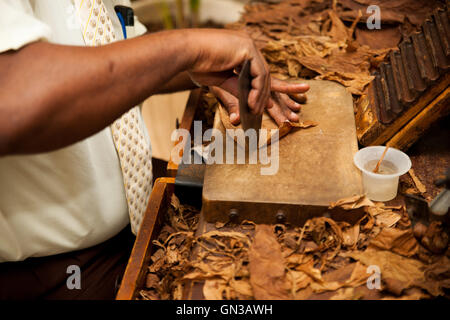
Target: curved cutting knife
{"points": [[248, 120]]}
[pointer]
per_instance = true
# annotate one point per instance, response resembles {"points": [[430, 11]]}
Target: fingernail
{"points": [[233, 117]]}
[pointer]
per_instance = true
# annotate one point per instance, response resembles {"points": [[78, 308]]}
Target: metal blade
{"points": [[248, 120]]}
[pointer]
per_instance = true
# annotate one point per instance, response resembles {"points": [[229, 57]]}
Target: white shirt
{"points": [[72, 198]]}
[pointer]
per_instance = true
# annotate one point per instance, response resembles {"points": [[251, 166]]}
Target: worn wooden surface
{"points": [[315, 166], [136, 270]]}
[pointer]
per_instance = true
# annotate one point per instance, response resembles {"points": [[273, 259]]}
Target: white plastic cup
{"points": [[381, 187]]}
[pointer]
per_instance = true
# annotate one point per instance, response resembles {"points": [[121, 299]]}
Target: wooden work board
{"points": [[315, 167]]}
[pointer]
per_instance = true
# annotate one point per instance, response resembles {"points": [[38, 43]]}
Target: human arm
{"points": [[54, 95]]}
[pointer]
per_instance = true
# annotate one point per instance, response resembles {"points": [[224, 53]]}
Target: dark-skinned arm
{"points": [[52, 95], [180, 82]]}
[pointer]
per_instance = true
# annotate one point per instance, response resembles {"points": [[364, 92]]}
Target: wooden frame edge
{"points": [[150, 227]]}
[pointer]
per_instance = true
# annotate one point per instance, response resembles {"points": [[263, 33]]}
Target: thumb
{"points": [[230, 103]]}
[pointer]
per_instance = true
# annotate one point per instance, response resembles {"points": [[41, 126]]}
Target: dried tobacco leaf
{"points": [[387, 37], [350, 236], [284, 128], [325, 232], [149, 295], [287, 126], [299, 282], [250, 261], [301, 38], [214, 289], [437, 277], [435, 238], [219, 259], [393, 11], [419, 185], [344, 294], [342, 278], [267, 269], [353, 202], [152, 281], [409, 294], [384, 216], [391, 265], [402, 242], [394, 286], [242, 288]]}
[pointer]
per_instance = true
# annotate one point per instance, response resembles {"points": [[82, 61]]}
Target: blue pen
{"points": [[122, 22]]}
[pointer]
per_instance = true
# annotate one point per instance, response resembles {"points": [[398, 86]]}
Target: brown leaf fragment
{"points": [[391, 265], [364, 293], [157, 261], [242, 288], [290, 240], [175, 202], [149, 295], [353, 202], [247, 225], [437, 277], [338, 30], [304, 294], [287, 126], [283, 129], [219, 224], [394, 286], [379, 39], [435, 238], [214, 289], [302, 124], [308, 246], [151, 281], [399, 241], [387, 218], [350, 236], [353, 275], [267, 269], [299, 280], [419, 185], [341, 274], [344, 294], [325, 232], [409, 294]]}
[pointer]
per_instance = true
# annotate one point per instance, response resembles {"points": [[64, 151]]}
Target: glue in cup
{"points": [[381, 186]]}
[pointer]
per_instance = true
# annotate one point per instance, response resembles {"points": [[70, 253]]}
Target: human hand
{"points": [[220, 54], [283, 107]]}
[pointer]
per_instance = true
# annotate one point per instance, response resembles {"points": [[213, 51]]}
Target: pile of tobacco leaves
{"points": [[330, 39], [358, 249]]}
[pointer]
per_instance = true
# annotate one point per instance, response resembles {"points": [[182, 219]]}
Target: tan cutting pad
{"points": [[315, 166]]}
